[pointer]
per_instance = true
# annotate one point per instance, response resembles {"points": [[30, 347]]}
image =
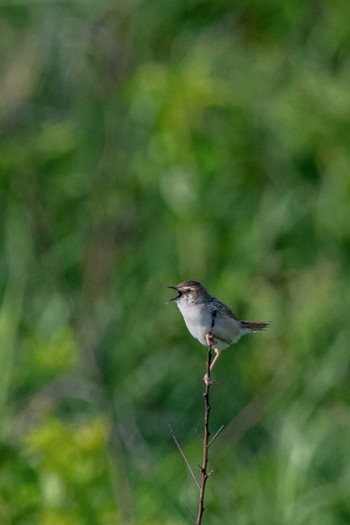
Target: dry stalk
{"points": [[206, 442], [205, 457]]}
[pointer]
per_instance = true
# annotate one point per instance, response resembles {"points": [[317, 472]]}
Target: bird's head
{"points": [[188, 291]]}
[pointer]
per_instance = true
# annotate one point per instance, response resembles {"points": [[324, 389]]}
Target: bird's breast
{"points": [[198, 319]]}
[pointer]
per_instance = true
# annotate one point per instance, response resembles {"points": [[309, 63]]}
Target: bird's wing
{"points": [[225, 327], [221, 308]]}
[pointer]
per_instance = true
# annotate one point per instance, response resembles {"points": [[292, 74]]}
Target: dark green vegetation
{"points": [[143, 143]]}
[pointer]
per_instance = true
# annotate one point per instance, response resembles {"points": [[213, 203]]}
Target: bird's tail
{"points": [[253, 326]]}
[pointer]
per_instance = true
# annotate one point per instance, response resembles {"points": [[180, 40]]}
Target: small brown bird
{"points": [[209, 320]]}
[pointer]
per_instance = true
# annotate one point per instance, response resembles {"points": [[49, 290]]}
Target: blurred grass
{"points": [[146, 143]]}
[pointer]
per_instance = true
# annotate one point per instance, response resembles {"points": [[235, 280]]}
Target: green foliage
{"points": [[143, 143]]}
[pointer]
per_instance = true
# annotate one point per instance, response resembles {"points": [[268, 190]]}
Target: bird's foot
{"points": [[208, 380]]}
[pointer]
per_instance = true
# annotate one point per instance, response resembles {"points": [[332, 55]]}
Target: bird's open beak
{"points": [[174, 298]]}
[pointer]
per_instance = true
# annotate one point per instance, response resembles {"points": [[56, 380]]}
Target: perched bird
{"points": [[209, 320]]}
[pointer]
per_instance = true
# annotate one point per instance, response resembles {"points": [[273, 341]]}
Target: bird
{"points": [[209, 320]]}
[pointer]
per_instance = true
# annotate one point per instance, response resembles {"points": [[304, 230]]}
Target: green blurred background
{"points": [[143, 143]]}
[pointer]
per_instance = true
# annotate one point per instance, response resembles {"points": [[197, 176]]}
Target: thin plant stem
{"points": [[205, 456], [184, 456], [215, 436]]}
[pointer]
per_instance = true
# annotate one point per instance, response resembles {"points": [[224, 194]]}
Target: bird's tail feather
{"points": [[253, 326]]}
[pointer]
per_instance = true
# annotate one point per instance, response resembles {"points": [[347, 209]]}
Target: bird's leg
{"points": [[210, 342], [209, 380], [217, 355], [209, 338]]}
